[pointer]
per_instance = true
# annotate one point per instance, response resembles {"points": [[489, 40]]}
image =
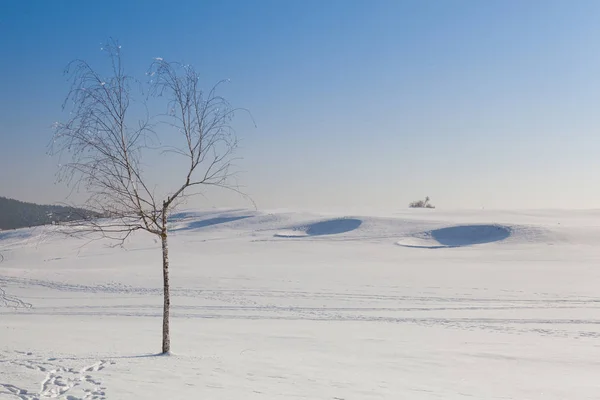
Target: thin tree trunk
{"points": [[166, 342]]}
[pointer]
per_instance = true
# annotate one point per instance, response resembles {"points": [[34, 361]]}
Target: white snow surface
{"points": [[421, 304]]}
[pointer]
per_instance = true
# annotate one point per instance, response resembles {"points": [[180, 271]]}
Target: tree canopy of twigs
{"points": [[103, 148], [101, 145], [109, 131]]}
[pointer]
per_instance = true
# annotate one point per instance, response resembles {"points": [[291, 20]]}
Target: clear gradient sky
{"points": [[491, 104]]}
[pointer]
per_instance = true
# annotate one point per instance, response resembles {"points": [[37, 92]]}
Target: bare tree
{"points": [[105, 139]]}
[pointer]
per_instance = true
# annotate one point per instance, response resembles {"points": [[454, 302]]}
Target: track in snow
{"points": [[60, 381], [459, 312]]}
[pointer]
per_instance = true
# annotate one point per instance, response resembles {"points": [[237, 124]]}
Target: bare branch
{"points": [[203, 119], [103, 147]]}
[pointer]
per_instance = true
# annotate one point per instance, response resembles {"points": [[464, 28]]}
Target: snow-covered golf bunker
{"points": [[457, 236], [328, 227]]}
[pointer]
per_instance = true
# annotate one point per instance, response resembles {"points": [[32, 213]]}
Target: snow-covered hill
{"points": [[421, 304]]}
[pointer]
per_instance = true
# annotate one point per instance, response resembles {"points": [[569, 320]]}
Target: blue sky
{"points": [[357, 103]]}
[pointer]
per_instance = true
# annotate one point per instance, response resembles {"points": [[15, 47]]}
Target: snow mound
{"points": [[203, 223], [321, 228], [196, 220], [457, 236]]}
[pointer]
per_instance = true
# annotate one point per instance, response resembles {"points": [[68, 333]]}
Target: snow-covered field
{"points": [[421, 304]]}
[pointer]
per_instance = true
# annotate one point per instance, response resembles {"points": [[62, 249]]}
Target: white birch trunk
{"points": [[166, 338]]}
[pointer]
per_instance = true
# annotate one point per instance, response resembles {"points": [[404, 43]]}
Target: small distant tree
{"points": [[421, 204], [104, 142]]}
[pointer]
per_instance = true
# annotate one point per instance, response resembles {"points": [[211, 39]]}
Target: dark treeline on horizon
{"points": [[16, 214]]}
